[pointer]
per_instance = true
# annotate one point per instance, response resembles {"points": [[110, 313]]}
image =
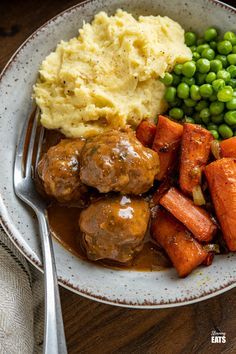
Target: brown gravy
{"points": [[64, 225]]}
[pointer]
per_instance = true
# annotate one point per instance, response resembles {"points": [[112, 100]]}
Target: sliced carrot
{"points": [[166, 143], [221, 177], [161, 190], [196, 219], [195, 152], [228, 147], [185, 252], [145, 132], [209, 259]]}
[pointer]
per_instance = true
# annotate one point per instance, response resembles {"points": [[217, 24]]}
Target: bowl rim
{"points": [[64, 283]]}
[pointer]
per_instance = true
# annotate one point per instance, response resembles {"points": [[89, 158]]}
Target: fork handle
{"points": [[54, 335]]}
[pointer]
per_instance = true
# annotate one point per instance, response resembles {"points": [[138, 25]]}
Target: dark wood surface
{"points": [[92, 327]]}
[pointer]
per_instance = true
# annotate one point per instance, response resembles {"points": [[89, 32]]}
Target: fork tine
{"points": [[40, 143], [18, 165], [19, 156], [28, 167]]}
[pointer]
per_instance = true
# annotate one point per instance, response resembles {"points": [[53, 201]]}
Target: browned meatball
{"points": [[114, 228], [59, 171], [117, 161]]}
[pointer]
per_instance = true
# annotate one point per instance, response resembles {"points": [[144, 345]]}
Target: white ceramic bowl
{"points": [[124, 288]]}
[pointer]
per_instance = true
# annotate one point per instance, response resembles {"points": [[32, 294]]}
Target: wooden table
{"points": [[92, 327]]}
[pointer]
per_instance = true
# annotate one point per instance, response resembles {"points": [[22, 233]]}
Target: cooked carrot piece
{"points": [[185, 252], [167, 143], [195, 151], [221, 177], [228, 147], [209, 259], [196, 219], [161, 190], [145, 132]]}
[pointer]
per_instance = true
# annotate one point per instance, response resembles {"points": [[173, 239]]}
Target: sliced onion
{"points": [[196, 173], [215, 149], [212, 247], [198, 197]]}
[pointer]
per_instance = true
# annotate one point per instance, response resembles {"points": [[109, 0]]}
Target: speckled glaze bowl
{"points": [[123, 288]]}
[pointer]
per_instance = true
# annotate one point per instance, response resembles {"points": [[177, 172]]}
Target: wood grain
{"points": [[97, 328]]}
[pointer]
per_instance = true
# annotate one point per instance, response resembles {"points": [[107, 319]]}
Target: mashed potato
{"points": [[108, 76]]}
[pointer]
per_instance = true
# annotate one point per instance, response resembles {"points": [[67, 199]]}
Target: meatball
{"points": [[59, 171], [114, 228], [117, 161]]}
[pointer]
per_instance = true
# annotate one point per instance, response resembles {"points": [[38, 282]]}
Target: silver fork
{"points": [[54, 336]]}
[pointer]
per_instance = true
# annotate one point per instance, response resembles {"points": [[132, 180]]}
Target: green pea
{"points": [[193, 48], [194, 93], [217, 107], [178, 69], [206, 90], [217, 119], [167, 79], [225, 94], [218, 84], [211, 76], [231, 105], [230, 36], [189, 120], [196, 117], [213, 44], [230, 118], [200, 41], [232, 70], [224, 47], [188, 80], [176, 113], [190, 38], [176, 79], [188, 111], [203, 65], [170, 94], [208, 53], [200, 78], [213, 97], [225, 131], [189, 102], [176, 103], [201, 105], [216, 65], [231, 59], [234, 49], [215, 133], [212, 126], [201, 47], [232, 83], [205, 115], [183, 90], [196, 56], [210, 34], [224, 75], [188, 69], [223, 60]]}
